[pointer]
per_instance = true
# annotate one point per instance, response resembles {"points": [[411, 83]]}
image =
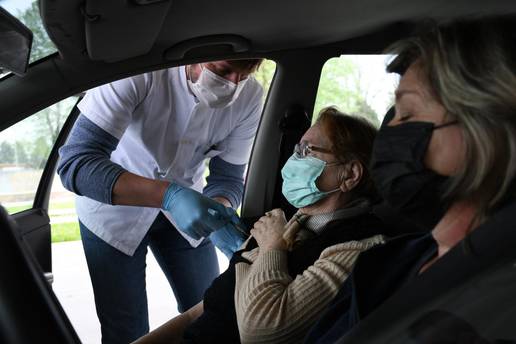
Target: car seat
{"points": [[473, 284]]}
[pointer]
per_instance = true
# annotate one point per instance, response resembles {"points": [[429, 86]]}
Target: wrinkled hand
{"points": [[268, 231], [195, 214], [230, 237]]}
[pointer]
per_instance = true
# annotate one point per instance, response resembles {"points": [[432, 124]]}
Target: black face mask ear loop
{"points": [[444, 125]]}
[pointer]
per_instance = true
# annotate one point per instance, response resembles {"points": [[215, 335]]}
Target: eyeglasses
{"points": [[303, 149]]}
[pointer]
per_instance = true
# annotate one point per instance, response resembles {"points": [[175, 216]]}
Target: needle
{"points": [[241, 229]]}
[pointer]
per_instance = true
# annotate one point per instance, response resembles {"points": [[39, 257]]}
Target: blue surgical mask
{"points": [[299, 177]]}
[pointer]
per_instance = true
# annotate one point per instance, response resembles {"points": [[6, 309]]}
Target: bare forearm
{"points": [[172, 331], [131, 189]]}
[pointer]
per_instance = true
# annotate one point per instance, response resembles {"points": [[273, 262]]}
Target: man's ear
{"points": [[352, 175]]}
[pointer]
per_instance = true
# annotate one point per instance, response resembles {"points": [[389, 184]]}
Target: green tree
{"points": [[41, 45], [363, 109], [39, 153], [6, 153], [341, 85], [264, 75], [47, 122], [21, 153]]}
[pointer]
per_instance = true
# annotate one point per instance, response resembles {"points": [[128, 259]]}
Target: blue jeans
{"points": [[119, 280]]}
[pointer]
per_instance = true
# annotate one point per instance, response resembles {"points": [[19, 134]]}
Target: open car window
{"points": [[24, 150]]}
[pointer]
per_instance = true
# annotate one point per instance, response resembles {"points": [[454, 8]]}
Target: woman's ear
{"points": [[352, 175]]}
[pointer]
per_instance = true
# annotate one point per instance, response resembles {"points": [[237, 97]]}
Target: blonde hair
{"points": [[470, 68]]}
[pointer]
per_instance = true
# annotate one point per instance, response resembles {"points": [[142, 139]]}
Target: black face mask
{"points": [[401, 178]]}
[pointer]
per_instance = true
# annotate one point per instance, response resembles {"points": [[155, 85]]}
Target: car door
{"points": [[28, 159]]}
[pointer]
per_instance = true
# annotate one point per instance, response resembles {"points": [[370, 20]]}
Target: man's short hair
{"points": [[246, 65]]}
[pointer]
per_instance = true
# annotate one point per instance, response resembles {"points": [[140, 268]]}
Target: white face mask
{"points": [[215, 91]]}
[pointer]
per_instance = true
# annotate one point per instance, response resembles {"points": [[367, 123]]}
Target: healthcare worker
{"points": [[136, 160]]}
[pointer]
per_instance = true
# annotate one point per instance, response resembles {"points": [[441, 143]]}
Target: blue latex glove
{"points": [[194, 214], [229, 238]]}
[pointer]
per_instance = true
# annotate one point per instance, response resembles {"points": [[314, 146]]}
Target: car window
{"points": [[264, 75], [357, 85], [62, 211], [72, 286], [24, 151], [27, 11]]}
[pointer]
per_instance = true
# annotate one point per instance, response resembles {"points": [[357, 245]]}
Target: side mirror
{"points": [[15, 44]]}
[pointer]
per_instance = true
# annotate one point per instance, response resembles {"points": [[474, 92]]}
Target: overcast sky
{"points": [[13, 6]]}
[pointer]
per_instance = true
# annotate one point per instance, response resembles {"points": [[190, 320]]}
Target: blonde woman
{"points": [[447, 158]]}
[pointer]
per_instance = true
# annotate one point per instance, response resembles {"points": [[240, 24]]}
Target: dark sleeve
{"points": [[218, 320], [225, 180], [84, 164], [335, 321]]}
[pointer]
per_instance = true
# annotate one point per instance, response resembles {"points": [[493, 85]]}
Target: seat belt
{"points": [[293, 125]]}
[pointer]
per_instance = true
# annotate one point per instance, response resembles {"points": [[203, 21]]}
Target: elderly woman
{"points": [[447, 158], [286, 273]]}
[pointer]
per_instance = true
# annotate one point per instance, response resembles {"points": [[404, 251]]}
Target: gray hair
{"points": [[470, 68]]}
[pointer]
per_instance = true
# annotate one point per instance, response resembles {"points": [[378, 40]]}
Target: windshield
{"points": [[27, 12]]}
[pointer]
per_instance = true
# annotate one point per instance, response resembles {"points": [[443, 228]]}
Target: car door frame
{"points": [[33, 225]]}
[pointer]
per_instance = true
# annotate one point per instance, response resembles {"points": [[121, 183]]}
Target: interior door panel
{"points": [[33, 225], [33, 229]]}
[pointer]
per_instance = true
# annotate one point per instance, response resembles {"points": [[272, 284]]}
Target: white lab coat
{"points": [[165, 133]]}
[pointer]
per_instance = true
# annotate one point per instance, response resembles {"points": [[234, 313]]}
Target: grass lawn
{"points": [[65, 232], [18, 208], [61, 205]]}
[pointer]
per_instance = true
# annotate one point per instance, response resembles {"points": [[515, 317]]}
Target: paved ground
{"points": [[73, 289]]}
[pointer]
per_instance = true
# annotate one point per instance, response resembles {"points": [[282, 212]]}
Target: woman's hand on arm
{"points": [[268, 231]]}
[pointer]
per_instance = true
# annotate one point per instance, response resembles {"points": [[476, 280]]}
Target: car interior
{"points": [[101, 41]]}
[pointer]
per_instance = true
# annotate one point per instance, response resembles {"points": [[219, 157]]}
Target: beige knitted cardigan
{"points": [[272, 307]]}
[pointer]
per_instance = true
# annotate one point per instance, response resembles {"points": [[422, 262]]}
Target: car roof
{"points": [[100, 41], [117, 30]]}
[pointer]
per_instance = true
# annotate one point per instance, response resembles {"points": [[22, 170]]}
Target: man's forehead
{"points": [[225, 64], [228, 65]]}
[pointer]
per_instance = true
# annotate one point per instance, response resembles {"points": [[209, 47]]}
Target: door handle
{"points": [[238, 43]]}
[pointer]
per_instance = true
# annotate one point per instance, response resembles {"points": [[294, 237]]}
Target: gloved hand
{"points": [[195, 214], [229, 238]]}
